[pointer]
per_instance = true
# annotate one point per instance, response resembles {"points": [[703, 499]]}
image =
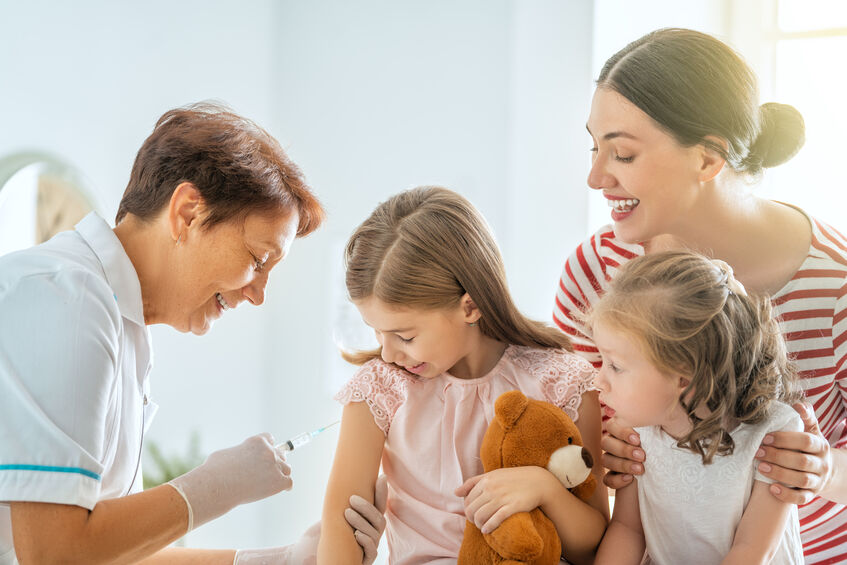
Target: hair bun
{"points": [[781, 135]]}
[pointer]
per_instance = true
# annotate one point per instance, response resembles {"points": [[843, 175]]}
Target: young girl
{"points": [[700, 369], [426, 275]]}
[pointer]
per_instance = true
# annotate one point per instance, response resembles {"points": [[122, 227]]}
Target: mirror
{"points": [[40, 195]]}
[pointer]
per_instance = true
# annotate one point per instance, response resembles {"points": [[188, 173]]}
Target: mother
{"points": [[678, 136], [213, 204]]}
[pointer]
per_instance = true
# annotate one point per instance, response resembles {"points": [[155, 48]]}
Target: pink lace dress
{"points": [[433, 432]]}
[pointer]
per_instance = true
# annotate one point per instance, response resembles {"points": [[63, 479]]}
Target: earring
{"points": [[472, 324], [179, 238]]}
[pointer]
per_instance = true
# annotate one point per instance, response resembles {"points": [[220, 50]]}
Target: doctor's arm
{"points": [[120, 530], [130, 528], [354, 472]]}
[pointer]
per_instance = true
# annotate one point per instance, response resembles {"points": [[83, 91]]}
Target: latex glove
{"points": [[366, 519], [247, 472], [269, 556]]}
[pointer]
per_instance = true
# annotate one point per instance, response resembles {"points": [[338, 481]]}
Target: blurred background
{"points": [[488, 97]]}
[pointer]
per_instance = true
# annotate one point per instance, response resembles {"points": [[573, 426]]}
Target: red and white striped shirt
{"points": [[812, 311]]}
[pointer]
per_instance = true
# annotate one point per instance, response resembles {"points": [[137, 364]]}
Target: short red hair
{"points": [[237, 166]]}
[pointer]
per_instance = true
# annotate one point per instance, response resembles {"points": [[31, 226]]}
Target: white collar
{"points": [[119, 270]]}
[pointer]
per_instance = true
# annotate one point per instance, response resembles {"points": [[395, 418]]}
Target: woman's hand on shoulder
{"points": [[801, 462], [622, 454], [492, 497]]}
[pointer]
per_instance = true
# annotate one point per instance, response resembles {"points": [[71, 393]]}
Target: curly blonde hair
{"points": [[692, 318]]}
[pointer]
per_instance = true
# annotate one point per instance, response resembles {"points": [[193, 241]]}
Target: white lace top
{"points": [[690, 511]]}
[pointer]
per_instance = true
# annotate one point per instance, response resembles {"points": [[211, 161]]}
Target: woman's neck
{"points": [[141, 244], [765, 242]]}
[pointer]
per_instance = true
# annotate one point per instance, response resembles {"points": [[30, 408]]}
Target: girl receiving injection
{"points": [[426, 275], [701, 368]]}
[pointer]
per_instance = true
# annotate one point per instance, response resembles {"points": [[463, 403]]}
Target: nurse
{"points": [[213, 204]]}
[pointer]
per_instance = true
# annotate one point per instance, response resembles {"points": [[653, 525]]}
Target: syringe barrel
{"points": [[297, 441]]}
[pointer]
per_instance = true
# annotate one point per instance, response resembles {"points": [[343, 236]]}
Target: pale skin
{"points": [[646, 396], [181, 269], [445, 341], [684, 193]]}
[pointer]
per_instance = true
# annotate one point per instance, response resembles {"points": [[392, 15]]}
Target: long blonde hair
{"points": [[694, 319], [425, 248]]}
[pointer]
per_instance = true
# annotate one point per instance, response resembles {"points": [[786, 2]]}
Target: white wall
{"points": [[377, 97], [488, 97], [87, 80]]}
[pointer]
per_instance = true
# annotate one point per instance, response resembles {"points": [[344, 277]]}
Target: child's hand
{"points": [[492, 497]]}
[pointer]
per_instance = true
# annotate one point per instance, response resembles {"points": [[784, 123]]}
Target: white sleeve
{"points": [[59, 353], [783, 419]]}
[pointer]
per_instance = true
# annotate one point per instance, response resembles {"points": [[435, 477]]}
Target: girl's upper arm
{"points": [[589, 423], [761, 528], [358, 454], [354, 471]]}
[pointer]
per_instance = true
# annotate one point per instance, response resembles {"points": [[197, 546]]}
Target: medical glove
{"points": [[247, 472]]}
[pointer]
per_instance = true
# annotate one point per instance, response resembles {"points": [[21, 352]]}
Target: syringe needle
{"points": [[302, 439]]}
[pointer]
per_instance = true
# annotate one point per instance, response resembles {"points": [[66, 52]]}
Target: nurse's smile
{"points": [[224, 305], [212, 205]]}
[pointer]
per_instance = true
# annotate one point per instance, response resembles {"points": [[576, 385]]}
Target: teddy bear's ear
{"points": [[509, 407]]}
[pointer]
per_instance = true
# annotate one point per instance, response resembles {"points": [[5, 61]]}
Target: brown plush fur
{"points": [[523, 432]]}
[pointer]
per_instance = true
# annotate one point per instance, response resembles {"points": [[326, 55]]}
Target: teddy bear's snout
{"points": [[571, 464], [586, 457]]}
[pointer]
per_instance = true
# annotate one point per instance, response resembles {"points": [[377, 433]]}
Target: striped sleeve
{"points": [[578, 289], [585, 276], [812, 313], [839, 318], [839, 337]]}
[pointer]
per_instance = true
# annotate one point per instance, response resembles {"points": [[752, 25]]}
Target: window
{"points": [[798, 52]]}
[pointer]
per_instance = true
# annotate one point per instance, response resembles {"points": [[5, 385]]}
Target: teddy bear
{"points": [[528, 432]]}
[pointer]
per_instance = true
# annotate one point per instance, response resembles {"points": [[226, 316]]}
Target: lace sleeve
{"points": [[564, 377], [381, 386]]}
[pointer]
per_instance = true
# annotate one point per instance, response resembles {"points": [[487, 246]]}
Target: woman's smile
{"points": [[224, 305], [621, 206]]}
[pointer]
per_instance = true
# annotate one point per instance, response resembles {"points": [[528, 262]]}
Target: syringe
{"points": [[302, 439]]}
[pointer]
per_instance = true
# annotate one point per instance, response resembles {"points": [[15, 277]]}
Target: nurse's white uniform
{"points": [[74, 363]]}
